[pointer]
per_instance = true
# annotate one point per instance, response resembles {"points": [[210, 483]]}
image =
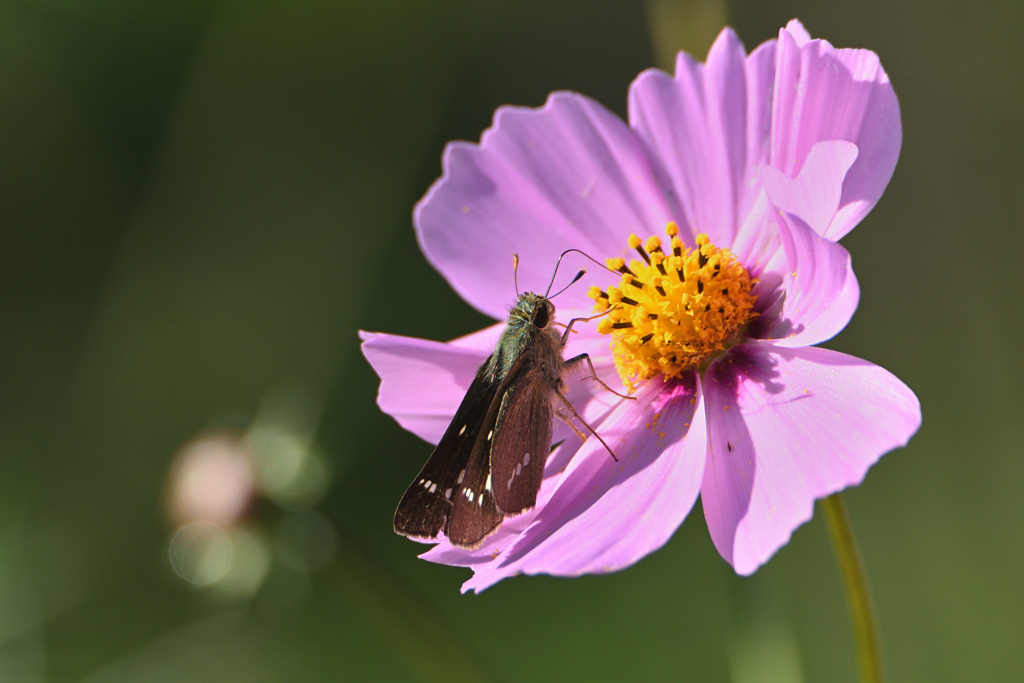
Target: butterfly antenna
{"points": [[585, 255], [553, 274], [515, 271], [574, 281], [578, 275]]}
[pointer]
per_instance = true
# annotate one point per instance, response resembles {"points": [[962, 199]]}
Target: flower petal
{"points": [[808, 292], [815, 193], [755, 241], [787, 426], [822, 93], [760, 74], [707, 129], [799, 33], [568, 175], [422, 382], [482, 341], [606, 515]]}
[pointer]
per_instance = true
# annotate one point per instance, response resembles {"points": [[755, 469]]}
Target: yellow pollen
{"points": [[673, 311]]}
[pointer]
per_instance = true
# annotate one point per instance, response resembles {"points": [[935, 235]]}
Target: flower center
{"points": [[673, 311]]}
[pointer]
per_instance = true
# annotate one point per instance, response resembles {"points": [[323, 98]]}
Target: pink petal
{"points": [[708, 129], [808, 292], [422, 382], [822, 93], [787, 426], [799, 33], [606, 515], [760, 74], [815, 193], [482, 341], [756, 240], [757, 243], [570, 174]]}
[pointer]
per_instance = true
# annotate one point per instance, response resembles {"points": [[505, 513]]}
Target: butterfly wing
{"points": [[427, 503], [474, 514], [522, 440]]}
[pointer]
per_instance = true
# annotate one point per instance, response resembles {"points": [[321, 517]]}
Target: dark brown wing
{"points": [[427, 503], [474, 515], [522, 441]]}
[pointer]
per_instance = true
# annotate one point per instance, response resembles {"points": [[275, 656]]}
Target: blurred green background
{"points": [[202, 201]]}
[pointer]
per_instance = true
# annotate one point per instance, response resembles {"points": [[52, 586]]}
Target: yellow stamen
{"points": [[673, 311]]}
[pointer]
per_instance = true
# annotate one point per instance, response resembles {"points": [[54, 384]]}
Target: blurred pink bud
{"points": [[211, 479]]}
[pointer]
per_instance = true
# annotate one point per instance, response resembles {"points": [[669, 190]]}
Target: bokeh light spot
{"points": [[200, 552], [250, 564]]}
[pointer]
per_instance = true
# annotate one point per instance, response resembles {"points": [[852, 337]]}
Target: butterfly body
{"points": [[489, 463]]}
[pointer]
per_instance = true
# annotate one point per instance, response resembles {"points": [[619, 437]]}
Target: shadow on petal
{"points": [[731, 468]]}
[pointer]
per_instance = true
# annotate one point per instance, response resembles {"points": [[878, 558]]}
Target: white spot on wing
{"points": [[433, 487], [448, 494], [526, 460], [519, 470], [462, 475], [488, 484], [463, 430], [490, 434], [469, 494]]}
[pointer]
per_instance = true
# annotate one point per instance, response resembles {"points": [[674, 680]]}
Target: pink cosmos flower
{"points": [[770, 157]]}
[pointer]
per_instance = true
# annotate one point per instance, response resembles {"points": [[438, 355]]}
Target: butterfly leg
{"points": [[558, 392], [568, 328], [568, 420], [576, 360]]}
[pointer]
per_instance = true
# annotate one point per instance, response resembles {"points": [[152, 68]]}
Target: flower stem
{"points": [[861, 612]]}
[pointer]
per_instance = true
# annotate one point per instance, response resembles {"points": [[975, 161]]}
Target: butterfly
{"points": [[490, 462]]}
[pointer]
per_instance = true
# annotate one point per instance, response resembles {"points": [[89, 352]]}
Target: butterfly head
{"points": [[534, 309]]}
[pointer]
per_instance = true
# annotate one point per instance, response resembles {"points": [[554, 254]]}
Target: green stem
{"points": [[856, 589]]}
